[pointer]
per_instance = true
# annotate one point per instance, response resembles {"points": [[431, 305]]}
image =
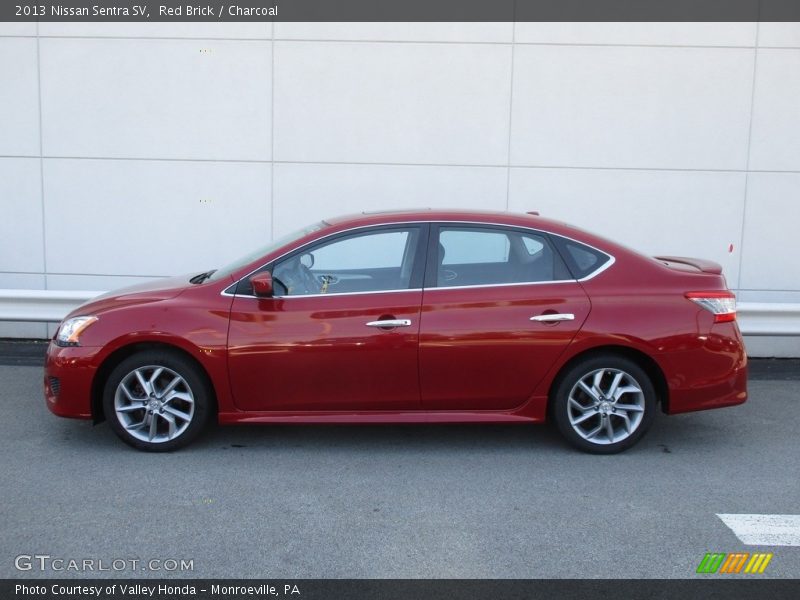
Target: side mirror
{"points": [[262, 284]]}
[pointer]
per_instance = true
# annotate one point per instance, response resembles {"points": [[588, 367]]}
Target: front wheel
{"points": [[604, 404], [156, 400]]}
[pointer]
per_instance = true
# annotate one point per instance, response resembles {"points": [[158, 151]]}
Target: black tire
{"points": [[171, 431], [599, 410]]}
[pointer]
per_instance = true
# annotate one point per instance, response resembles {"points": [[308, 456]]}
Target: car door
{"points": [[340, 332], [499, 307]]}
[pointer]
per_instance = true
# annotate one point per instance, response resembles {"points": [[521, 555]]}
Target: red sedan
{"points": [[409, 317]]}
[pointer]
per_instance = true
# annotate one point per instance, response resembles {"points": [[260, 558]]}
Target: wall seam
{"points": [[501, 165], [41, 154], [399, 41], [511, 104], [272, 136], [749, 150]]}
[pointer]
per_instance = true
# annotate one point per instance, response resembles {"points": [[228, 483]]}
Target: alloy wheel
{"points": [[606, 406], [154, 404]]}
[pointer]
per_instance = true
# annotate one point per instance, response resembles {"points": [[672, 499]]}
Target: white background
{"points": [[129, 151]]}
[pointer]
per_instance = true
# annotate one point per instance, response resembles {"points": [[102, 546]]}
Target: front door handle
{"points": [[552, 317], [390, 323]]}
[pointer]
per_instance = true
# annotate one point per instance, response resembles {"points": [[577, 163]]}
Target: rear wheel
{"points": [[604, 404], [157, 400]]}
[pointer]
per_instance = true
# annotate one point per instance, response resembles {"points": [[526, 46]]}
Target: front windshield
{"points": [[228, 269]]}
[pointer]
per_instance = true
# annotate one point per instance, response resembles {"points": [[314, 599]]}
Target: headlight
{"points": [[71, 330]]}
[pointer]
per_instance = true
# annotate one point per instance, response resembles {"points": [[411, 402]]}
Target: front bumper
{"points": [[68, 375]]}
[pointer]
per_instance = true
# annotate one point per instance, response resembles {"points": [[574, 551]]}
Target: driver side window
{"points": [[374, 261]]}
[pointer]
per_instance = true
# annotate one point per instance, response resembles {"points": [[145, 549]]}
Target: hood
{"points": [[148, 291]]}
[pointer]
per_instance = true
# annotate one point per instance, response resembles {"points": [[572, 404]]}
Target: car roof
{"points": [[530, 220], [433, 214]]}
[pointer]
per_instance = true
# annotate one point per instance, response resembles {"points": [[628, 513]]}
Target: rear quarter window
{"points": [[582, 260]]}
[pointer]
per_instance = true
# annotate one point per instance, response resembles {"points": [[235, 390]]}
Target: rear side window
{"points": [[581, 259], [464, 247], [475, 255]]}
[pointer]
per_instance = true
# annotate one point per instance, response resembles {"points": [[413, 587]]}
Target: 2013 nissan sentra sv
{"points": [[409, 317]]}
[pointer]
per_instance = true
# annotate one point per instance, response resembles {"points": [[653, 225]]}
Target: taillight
{"points": [[721, 304]]}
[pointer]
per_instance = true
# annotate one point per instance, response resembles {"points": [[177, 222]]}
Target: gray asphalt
{"points": [[396, 501]]}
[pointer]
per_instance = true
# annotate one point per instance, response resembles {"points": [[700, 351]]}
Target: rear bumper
{"points": [[713, 375], [68, 376], [729, 392]]}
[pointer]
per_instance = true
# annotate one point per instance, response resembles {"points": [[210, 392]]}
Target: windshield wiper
{"points": [[202, 277]]}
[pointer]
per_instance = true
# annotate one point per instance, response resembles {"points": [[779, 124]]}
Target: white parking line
{"points": [[765, 530]]}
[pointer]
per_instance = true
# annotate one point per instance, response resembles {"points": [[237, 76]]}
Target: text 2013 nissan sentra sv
{"points": [[409, 317]]}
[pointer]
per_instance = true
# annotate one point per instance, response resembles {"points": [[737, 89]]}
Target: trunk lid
{"points": [[686, 264]]}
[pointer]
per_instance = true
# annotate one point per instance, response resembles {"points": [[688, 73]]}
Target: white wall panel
{"points": [[162, 30], [666, 34], [305, 193], [771, 240], [150, 217], [780, 347], [407, 103], [22, 330], [25, 28], [99, 283], [19, 97], [655, 212], [21, 209], [785, 35], [775, 140], [638, 131], [405, 32], [777, 296], [156, 98], [685, 108]]}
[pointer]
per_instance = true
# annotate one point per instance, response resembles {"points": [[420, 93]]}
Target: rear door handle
{"points": [[548, 318], [390, 323]]}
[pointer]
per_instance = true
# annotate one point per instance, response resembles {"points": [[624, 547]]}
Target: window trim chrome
{"points": [[335, 294], [596, 272]]}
